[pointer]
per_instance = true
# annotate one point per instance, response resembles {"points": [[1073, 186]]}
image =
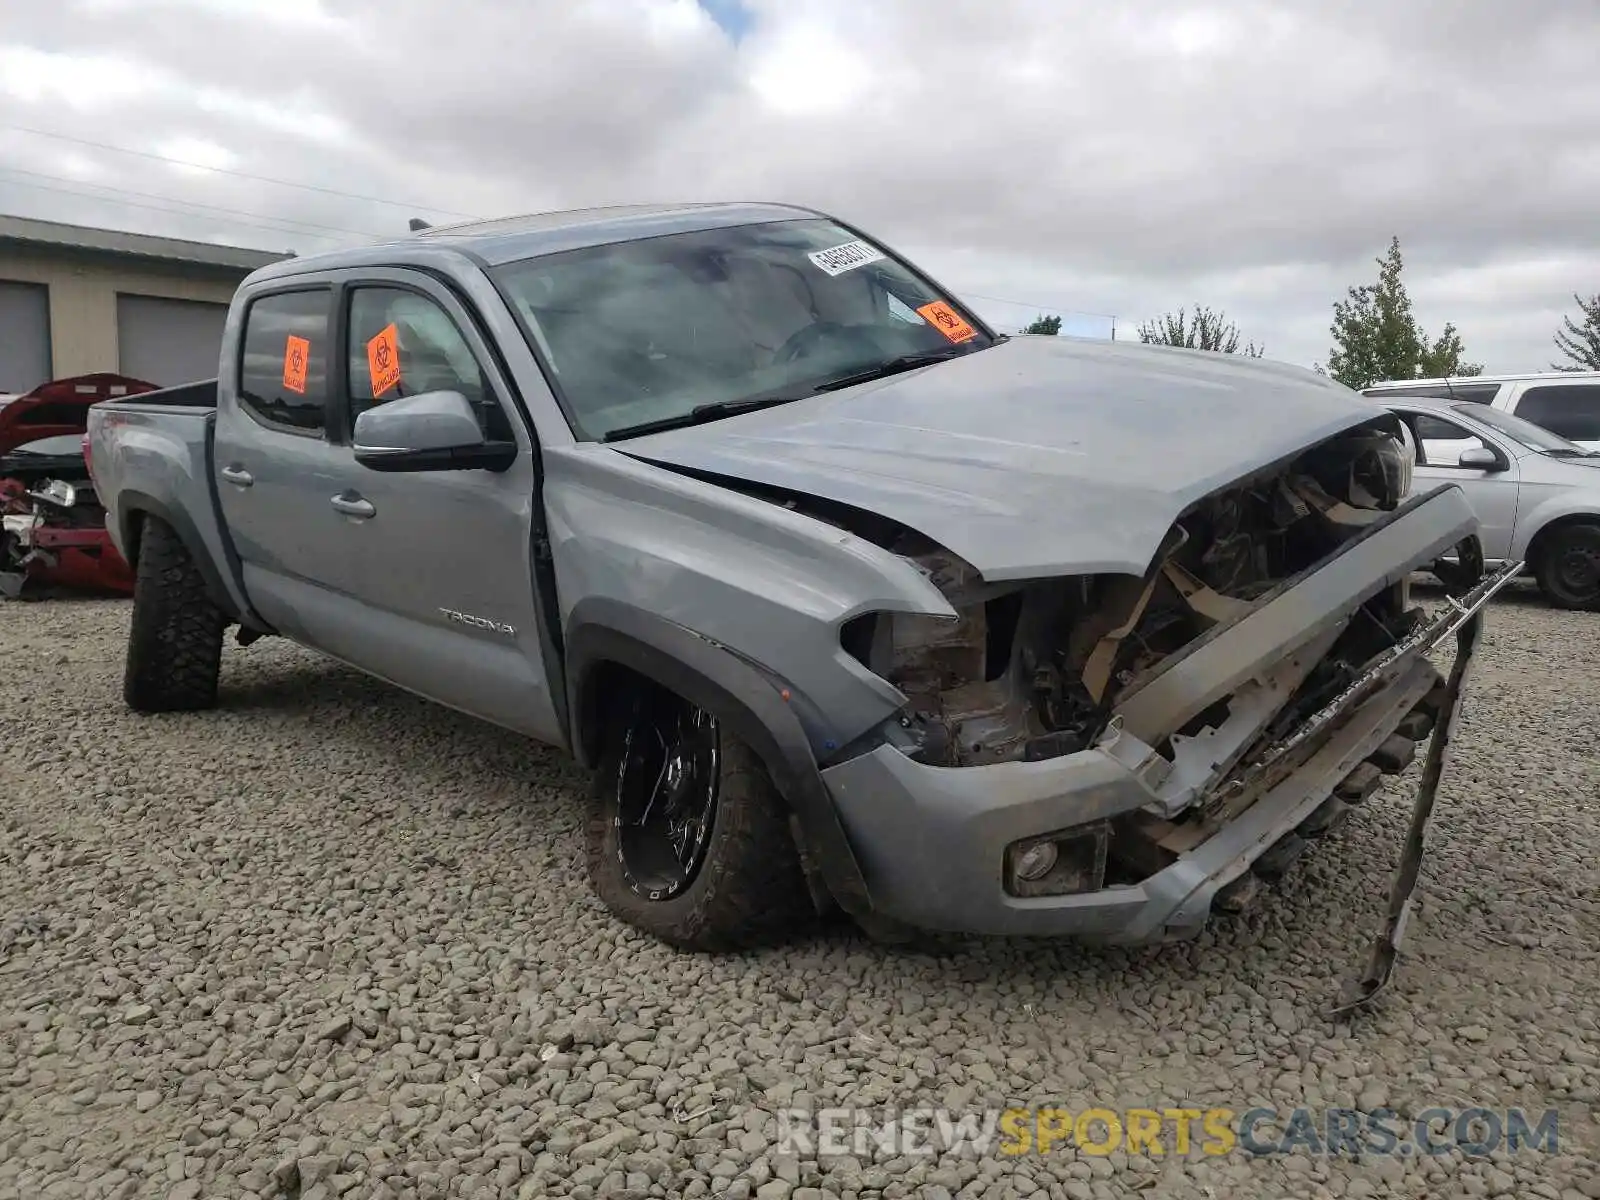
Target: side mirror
{"points": [[436, 431], [1483, 458]]}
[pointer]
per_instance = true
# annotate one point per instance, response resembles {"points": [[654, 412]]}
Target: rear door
{"points": [[446, 558], [1569, 410], [1493, 494], [278, 466]]}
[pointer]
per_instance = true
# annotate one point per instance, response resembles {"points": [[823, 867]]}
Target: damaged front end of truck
{"points": [[1126, 754], [1131, 631]]}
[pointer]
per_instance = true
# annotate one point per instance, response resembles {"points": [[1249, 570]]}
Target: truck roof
{"points": [[507, 239]]}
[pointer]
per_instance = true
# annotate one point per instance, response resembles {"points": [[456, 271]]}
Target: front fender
{"points": [[770, 585], [755, 708]]}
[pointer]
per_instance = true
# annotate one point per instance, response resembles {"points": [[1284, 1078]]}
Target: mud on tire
{"points": [[175, 639], [744, 886]]}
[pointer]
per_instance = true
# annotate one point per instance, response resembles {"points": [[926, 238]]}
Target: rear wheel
{"points": [[175, 639], [687, 837], [1568, 566]]}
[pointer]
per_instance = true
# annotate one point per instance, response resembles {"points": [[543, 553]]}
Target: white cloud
{"points": [[55, 80], [1240, 153], [196, 156]]}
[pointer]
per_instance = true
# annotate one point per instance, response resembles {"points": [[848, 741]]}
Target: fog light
{"points": [[1036, 861], [1058, 864]]}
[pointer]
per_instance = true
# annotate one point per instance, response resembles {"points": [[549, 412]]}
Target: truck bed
{"points": [[151, 457], [201, 394]]}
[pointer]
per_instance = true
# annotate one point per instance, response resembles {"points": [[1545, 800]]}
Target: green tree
{"points": [[1043, 324], [1581, 343], [1205, 330], [1376, 337]]}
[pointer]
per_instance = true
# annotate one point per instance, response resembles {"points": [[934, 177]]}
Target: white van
{"points": [[1567, 403]]}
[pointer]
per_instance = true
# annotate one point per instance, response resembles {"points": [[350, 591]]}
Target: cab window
{"points": [[1435, 430], [283, 366], [403, 344]]}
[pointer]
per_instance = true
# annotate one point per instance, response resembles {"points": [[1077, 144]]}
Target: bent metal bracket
{"points": [[1462, 616]]}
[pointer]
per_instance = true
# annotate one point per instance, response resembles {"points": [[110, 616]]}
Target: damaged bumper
{"points": [[939, 846]]}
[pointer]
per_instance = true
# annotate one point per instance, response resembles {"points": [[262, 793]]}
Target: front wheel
{"points": [[1568, 567], [687, 837]]}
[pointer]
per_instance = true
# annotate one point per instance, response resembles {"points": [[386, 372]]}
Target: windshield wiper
{"points": [[905, 362], [698, 415], [1570, 452]]}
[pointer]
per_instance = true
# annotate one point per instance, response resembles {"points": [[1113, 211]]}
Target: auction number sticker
{"points": [[847, 257]]}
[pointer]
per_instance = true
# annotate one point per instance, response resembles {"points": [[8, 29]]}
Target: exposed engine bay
{"points": [[1033, 670]]}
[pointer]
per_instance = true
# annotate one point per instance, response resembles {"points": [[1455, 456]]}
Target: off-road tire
{"points": [[175, 638], [749, 890], [1547, 569]]}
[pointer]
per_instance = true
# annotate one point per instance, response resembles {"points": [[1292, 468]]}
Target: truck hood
{"points": [[1039, 456]]}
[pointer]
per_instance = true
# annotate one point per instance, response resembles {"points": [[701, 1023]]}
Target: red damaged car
{"points": [[52, 528]]}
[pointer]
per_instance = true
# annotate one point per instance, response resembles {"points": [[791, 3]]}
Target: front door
{"points": [[1493, 493], [446, 558]]}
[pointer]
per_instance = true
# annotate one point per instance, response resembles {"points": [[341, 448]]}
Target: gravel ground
{"points": [[334, 940]]}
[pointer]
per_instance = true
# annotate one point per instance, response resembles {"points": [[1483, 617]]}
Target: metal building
{"points": [[75, 300]]}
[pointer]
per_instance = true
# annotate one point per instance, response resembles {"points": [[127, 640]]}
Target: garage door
{"points": [[169, 342], [24, 336]]}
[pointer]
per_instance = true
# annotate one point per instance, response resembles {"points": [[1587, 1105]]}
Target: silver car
{"points": [[1536, 494]]}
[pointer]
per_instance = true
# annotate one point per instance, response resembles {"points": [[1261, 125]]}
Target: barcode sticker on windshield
{"points": [[844, 258]]}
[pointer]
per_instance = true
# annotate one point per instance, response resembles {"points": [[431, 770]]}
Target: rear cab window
{"points": [[283, 365]]}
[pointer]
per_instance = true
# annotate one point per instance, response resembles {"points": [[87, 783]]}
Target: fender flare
{"points": [[732, 689], [133, 505]]}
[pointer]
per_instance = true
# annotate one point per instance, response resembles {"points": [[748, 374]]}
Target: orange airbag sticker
{"points": [[383, 360], [296, 360], [945, 319]]}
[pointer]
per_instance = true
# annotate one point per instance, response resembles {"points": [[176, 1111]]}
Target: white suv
{"points": [[1567, 403]]}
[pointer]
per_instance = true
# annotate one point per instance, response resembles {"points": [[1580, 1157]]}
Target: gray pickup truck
{"points": [[849, 601]]}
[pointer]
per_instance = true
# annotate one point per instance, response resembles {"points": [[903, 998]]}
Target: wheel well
{"points": [[1542, 537], [604, 685], [133, 536]]}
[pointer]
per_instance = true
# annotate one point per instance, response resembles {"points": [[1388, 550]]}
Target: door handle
{"points": [[353, 506], [237, 476]]}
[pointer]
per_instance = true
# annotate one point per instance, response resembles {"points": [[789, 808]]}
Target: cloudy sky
{"points": [[1099, 160]]}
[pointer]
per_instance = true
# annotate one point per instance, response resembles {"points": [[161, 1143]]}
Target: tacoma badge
{"points": [[488, 623]]}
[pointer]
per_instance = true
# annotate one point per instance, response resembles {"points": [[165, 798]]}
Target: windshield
{"points": [[651, 330], [1534, 437]]}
